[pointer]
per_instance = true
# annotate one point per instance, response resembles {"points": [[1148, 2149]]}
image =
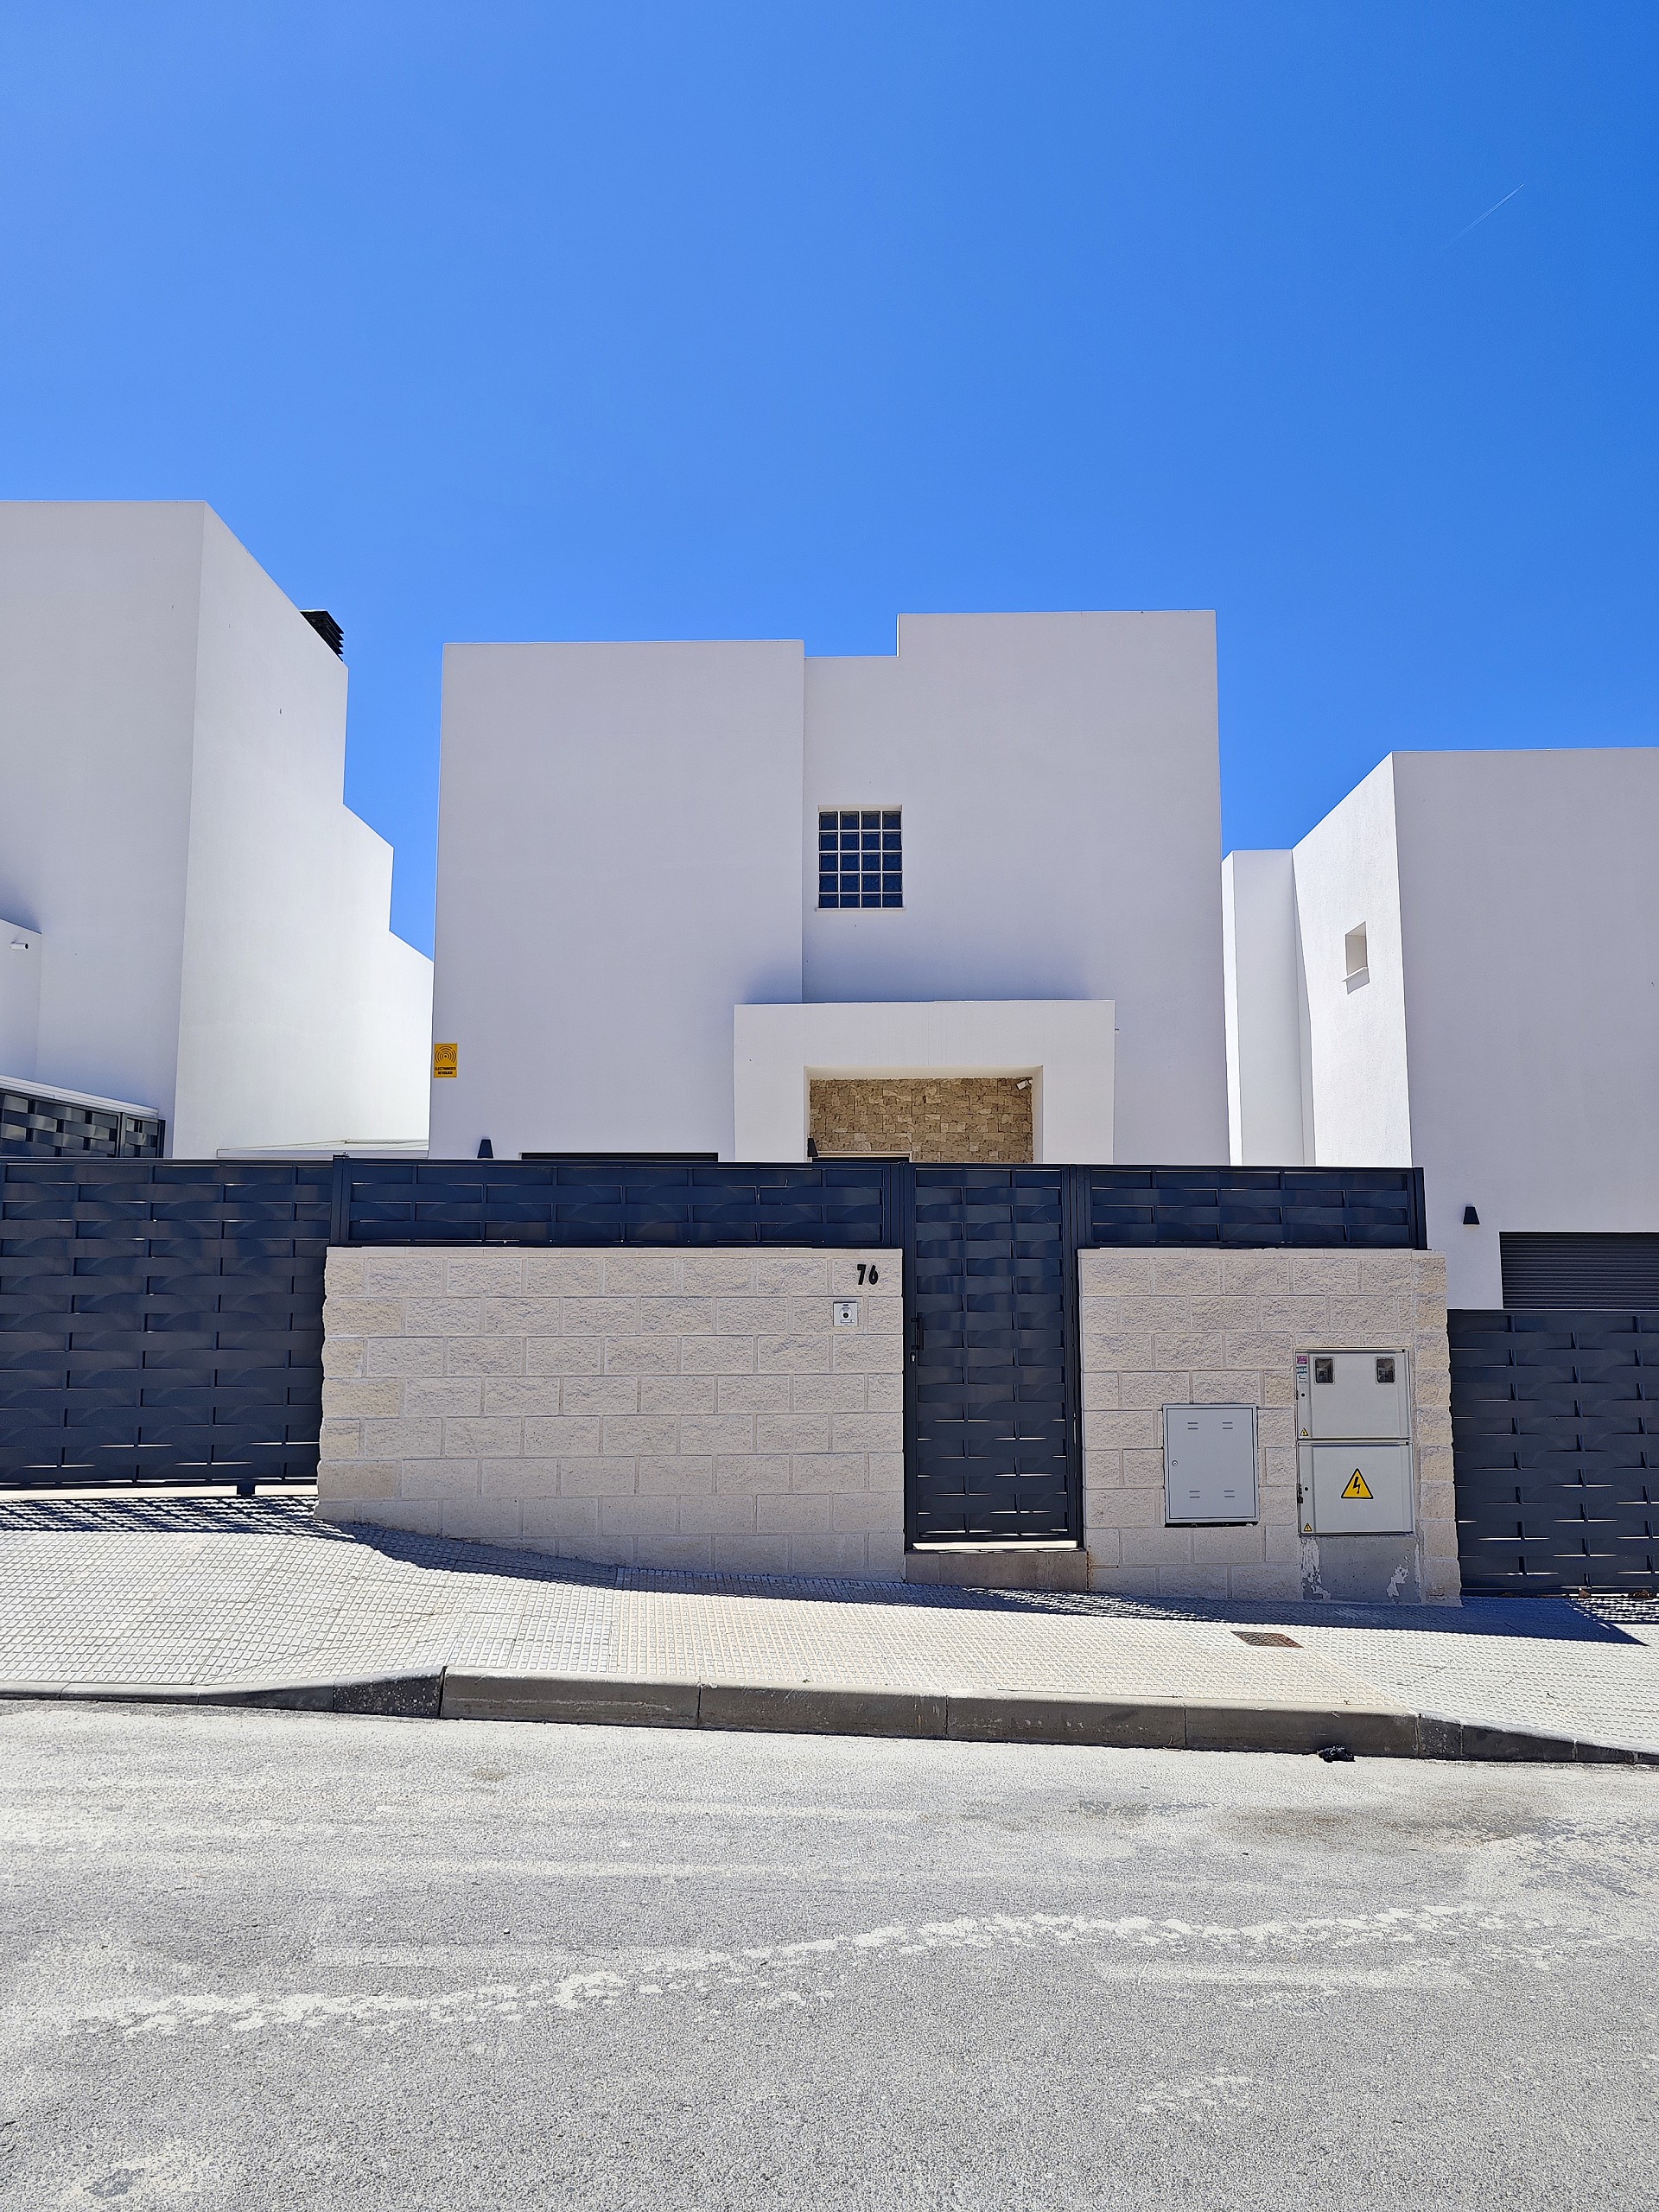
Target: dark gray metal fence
{"points": [[162, 1321], [1555, 1432], [36, 1125]]}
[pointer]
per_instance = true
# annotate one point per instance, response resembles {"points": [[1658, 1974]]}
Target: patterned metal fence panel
{"points": [[613, 1202], [1555, 1429], [161, 1320], [34, 1125], [1376, 1207]]}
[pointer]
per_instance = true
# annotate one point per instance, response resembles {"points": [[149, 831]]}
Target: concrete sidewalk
{"points": [[214, 1594]]}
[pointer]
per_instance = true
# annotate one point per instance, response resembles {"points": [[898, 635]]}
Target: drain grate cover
{"points": [[1267, 1635]]}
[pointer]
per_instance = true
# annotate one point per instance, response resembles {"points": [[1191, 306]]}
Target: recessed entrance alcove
{"points": [[980, 1120]]}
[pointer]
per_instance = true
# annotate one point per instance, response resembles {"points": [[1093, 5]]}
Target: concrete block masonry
{"points": [[689, 1409], [1170, 1328], [702, 1410]]}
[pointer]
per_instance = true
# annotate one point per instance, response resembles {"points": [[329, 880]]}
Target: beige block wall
{"points": [[644, 1408], [1168, 1328]]}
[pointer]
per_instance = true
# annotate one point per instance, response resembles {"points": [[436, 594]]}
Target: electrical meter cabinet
{"points": [[1356, 1490], [1353, 1437], [1351, 1394], [1209, 1464]]}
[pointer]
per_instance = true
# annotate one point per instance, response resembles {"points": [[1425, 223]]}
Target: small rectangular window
{"points": [[860, 857], [1357, 967]]}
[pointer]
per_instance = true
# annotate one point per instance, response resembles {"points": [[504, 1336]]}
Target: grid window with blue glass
{"points": [[860, 857]]}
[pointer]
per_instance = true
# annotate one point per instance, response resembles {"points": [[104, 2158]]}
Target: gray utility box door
{"points": [[1209, 1464], [1351, 1394], [1356, 1490]]}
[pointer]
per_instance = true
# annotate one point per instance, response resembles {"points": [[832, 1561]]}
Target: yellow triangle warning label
{"points": [[1357, 1485]]}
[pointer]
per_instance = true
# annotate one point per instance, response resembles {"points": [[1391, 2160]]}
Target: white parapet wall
{"points": [[701, 1409], [1164, 1328]]}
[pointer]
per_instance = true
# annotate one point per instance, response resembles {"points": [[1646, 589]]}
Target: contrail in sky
{"points": [[1479, 219]]}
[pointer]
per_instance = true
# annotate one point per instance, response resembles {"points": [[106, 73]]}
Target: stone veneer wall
{"points": [[980, 1119], [683, 1408], [1167, 1328]]}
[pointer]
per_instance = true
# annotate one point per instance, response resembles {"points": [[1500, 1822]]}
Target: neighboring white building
{"points": [[1458, 968], [197, 924], [636, 950]]}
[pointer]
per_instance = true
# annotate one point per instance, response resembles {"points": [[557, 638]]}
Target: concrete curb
{"points": [[811, 1709], [1152, 1724], [410, 1696]]}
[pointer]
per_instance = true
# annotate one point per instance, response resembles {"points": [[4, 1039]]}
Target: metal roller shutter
{"points": [[1579, 1271]]}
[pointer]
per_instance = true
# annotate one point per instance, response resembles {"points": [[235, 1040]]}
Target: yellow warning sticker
{"points": [[1357, 1485], [445, 1058]]}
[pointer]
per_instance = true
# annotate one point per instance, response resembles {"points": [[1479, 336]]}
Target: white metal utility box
{"points": [[1358, 1489], [1351, 1394], [1353, 1434], [1209, 1464]]}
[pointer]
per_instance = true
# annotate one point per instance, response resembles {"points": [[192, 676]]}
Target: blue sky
{"points": [[499, 320]]}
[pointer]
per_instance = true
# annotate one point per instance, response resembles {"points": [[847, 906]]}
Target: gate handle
{"points": [[915, 1336]]}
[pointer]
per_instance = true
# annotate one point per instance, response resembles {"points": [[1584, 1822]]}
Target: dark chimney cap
{"points": [[327, 628]]}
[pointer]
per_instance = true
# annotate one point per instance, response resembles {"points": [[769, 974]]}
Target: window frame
{"points": [[874, 883]]}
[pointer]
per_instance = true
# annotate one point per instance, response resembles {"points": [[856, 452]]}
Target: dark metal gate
{"points": [[1555, 1428], [992, 1442]]}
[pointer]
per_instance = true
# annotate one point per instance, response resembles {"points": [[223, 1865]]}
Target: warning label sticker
{"points": [[445, 1060], [1357, 1485]]}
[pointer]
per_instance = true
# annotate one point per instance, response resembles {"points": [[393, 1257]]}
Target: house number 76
{"points": [[870, 1275]]}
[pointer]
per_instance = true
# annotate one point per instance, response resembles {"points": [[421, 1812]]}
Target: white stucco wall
{"points": [[259, 1020], [1065, 1045], [99, 606], [1507, 1041], [628, 852], [1262, 981], [1346, 877], [1061, 798], [384, 999], [172, 752], [1531, 910], [618, 868], [22, 950]]}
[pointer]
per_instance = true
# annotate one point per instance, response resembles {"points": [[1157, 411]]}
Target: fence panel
{"points": [[1555, 1434], [161, 1320]]}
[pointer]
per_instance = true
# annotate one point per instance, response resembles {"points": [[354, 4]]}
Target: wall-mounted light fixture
{"points": [[1471, 1218], [485, 1149]]}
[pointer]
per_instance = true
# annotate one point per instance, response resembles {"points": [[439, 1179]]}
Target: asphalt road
{"points": [[270, 1960]]}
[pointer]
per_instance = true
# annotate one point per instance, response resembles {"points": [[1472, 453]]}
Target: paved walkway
{"points": [[218, 1591]]}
